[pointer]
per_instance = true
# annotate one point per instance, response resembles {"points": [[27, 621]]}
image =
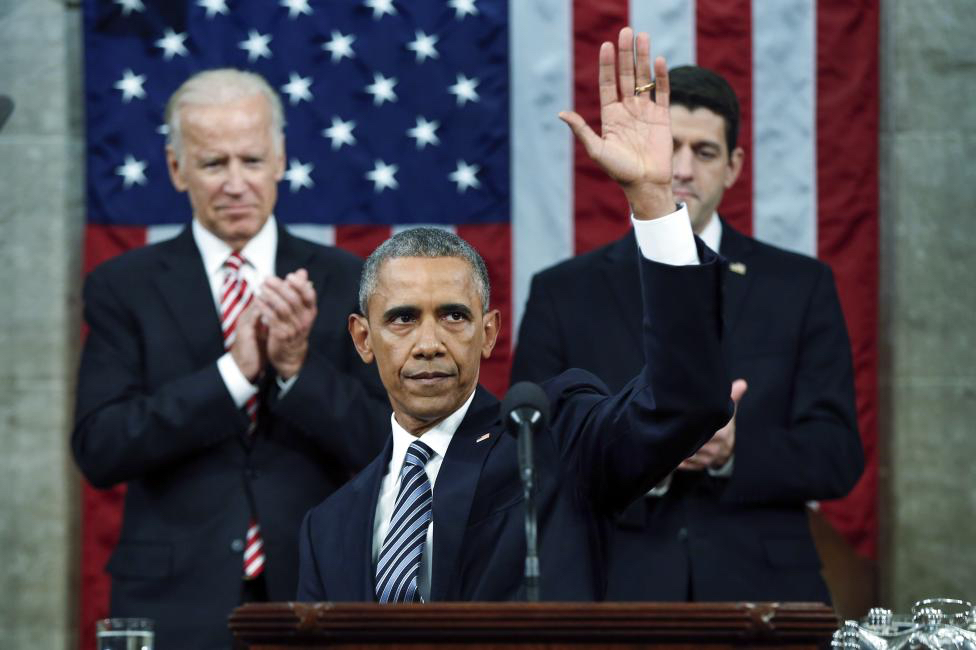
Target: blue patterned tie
{"points": [[399, 562]]}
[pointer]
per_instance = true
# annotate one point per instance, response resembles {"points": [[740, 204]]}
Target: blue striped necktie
{"points": [[399, 562]]}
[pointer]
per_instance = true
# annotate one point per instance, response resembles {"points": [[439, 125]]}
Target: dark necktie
{"points": [[398, 566]]}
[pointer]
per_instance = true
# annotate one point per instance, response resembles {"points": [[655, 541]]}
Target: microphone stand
{"points": [[525, 418]]}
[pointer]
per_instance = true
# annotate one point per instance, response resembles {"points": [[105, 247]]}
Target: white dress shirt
{"points": [[711, 234], [437, 438], [260, 253], [669, 239]]}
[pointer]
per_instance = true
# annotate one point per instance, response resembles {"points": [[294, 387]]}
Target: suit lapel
{"points": [[454, 491], [293, 253], [620, 270], [736, 248], [358, 535], [183, 282]]}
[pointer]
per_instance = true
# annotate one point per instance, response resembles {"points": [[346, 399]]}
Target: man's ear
{"points": [[359, 331], [175, 173], [492, 324], [736, 161]]}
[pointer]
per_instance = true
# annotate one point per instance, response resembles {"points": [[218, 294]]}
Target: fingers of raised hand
{"points": [[662, 84], [608, 75], [625, 50], [591, 141], [643, 64]]}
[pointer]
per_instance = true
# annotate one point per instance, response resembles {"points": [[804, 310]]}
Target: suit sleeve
{"points": [[539, 353], [340, 405], [122, 429], [818, 454], [623, 444]]}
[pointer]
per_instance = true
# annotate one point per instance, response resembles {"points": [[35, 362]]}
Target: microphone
{"points": [[6, 108], [525, 411]]}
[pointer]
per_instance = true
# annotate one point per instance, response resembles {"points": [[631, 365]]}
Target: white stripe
{"points": [[252, 568], [400, 227], [162, 232], [784, 109], [314, 232], [671, 24], [255, 547], [541, 64], [234, 313]]}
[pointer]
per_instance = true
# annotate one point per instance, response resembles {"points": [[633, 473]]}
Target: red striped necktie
{"points": [[235, 296]]}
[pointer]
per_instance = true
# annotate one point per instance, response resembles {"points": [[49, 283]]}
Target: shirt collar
{"points": [[437, 438], [259, 251], [711, 234]]}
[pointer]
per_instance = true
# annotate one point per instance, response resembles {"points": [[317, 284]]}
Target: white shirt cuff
{"points": [[238, 386], [284, 385], [668, 239], [661, 488], [725, 471]]}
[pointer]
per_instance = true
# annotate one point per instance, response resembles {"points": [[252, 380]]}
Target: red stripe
{"points": [[101, 510], [228, 309], [600, 210], [361, 240], [847, 180], [724, 44], [494, 243], [229, 284]]}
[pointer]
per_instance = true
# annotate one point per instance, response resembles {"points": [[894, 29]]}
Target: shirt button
{"points": [[237, 545], [683, 534]]}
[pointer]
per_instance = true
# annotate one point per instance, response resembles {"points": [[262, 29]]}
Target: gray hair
{"points": [[423, 242], [221, 86]]}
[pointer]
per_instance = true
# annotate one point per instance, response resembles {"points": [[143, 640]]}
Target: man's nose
{"points": [[681, 164], [234, 182], [428, 343]]}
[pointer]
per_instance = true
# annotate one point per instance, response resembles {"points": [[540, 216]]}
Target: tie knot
{"points": [[235, 262], [418, 454]]}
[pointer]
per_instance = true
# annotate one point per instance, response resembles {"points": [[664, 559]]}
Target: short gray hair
{"points": [[423, 242], [221, 86]]}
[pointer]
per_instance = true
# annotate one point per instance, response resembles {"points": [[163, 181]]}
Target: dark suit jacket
{"points": [[153, 412], [599, 453], [745, 537]]}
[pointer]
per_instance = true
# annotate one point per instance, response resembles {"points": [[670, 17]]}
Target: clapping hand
{"points": [[288, 309]]}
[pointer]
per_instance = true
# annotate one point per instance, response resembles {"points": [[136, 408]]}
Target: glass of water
{"points": [[124, 634]]}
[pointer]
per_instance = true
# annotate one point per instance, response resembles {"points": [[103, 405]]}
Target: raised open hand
{"points": [[635, 145]]}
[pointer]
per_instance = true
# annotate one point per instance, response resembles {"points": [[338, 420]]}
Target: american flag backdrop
{"points": [[403, 112]]}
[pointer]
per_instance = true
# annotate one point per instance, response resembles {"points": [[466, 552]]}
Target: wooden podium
{"points": [[269, 626]]}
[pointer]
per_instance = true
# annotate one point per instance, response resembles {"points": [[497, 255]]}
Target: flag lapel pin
{"points": [[483, 438], [738, 267]]}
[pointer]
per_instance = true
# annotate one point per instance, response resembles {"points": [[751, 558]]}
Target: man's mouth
{"points": [[683, 194], [429, 376], [236, 208]]}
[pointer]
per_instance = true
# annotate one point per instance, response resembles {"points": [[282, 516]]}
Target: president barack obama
{"points": [[438, 516]]}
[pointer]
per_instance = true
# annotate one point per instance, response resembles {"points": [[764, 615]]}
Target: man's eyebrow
{"points": [[400, 310], [450, 308]]}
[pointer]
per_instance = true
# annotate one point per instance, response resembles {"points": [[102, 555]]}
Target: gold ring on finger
{"points": [[643, 89]]}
